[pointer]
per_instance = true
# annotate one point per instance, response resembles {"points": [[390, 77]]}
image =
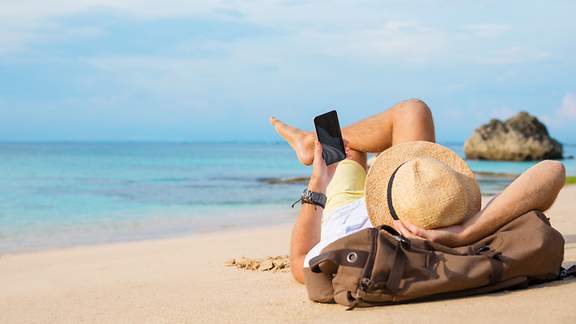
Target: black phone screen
{"points": [[330, 136]]}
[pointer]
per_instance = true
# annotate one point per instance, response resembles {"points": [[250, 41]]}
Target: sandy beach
{"points": [[184, 280], [150, 152]]}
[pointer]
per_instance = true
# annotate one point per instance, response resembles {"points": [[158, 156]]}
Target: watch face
{"points": [[307, 195], [313, 198]]}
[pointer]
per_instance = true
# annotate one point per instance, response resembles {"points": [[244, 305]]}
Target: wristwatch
{"points": [[311, 197]]}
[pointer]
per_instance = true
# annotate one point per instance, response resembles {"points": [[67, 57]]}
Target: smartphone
{"points": [[330, 136]]}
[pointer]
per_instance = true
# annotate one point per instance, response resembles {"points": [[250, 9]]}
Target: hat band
{"points": [[389, 193]]}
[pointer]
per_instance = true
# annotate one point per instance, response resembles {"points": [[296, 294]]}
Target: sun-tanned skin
{"points": [[410, 120]]}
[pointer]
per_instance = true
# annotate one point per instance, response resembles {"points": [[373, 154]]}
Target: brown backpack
{"points": [[378, 266]]}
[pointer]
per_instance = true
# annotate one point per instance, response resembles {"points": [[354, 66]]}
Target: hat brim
{"points": [[389, 160]]}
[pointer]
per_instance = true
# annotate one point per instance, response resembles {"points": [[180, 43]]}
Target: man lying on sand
{"points": [[346, 210]]}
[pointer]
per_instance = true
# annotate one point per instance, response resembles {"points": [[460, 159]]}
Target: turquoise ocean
{"points": [[65, 194]]}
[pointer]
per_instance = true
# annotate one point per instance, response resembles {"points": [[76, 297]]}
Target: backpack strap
{"points": [[495, 261], [397, 270]]}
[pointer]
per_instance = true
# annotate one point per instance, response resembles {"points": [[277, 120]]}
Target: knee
{"points": [[414, 108]]}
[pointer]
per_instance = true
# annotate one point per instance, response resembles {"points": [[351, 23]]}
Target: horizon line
{"points": [[125, 141]]}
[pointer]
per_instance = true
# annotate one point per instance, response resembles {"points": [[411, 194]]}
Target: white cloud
{"points": [[34, 9], [369, 30], [400, 41], [502, 113], [487, 30], [512, 55], [23, 22], [483, 115], [564, 115], [568, 108], [405, 42]]}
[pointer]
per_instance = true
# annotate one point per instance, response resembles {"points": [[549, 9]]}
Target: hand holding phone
{"points": [[330, 136]]}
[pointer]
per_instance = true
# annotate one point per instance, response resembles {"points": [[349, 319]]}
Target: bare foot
{"points": [[301, 142]]}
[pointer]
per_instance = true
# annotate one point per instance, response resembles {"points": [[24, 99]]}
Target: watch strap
{"points": [[312, 197]]}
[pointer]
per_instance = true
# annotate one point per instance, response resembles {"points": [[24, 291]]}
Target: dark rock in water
{"points": [[495, 175], [520, 138], [296, 180], [491, 183]]}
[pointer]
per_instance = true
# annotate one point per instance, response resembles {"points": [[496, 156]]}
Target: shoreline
{"points": [[303, 179], [257, 218], [154, 229], [185, 280]]}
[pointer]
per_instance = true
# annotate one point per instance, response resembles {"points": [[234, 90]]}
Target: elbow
{"points": [[557, 172], [297, 268], [298, 275], [553, 177]]}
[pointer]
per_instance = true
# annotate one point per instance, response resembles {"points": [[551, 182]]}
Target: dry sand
{"points": [[184, 280]]}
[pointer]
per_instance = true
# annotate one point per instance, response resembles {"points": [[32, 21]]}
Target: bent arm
{"points": [[306, 232], [535, 189], [305, 235]]}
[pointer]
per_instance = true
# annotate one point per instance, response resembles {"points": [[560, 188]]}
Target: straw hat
{"points": [[423, 183]]}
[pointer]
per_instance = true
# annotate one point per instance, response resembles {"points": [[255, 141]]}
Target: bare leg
{"points": [[409, 120], [302, 142]]}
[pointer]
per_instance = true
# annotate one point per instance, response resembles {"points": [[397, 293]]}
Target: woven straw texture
{"points": [[433, 188]]}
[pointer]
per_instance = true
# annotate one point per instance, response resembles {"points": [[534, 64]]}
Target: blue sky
{"points": [[214, 70]]}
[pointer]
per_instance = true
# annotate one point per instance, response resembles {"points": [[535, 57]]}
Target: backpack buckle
{"points": [[363, 286], [403, 241], [481, 249]]}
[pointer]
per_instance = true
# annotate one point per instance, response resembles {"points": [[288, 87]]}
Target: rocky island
{"points": [[520, 138]]}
